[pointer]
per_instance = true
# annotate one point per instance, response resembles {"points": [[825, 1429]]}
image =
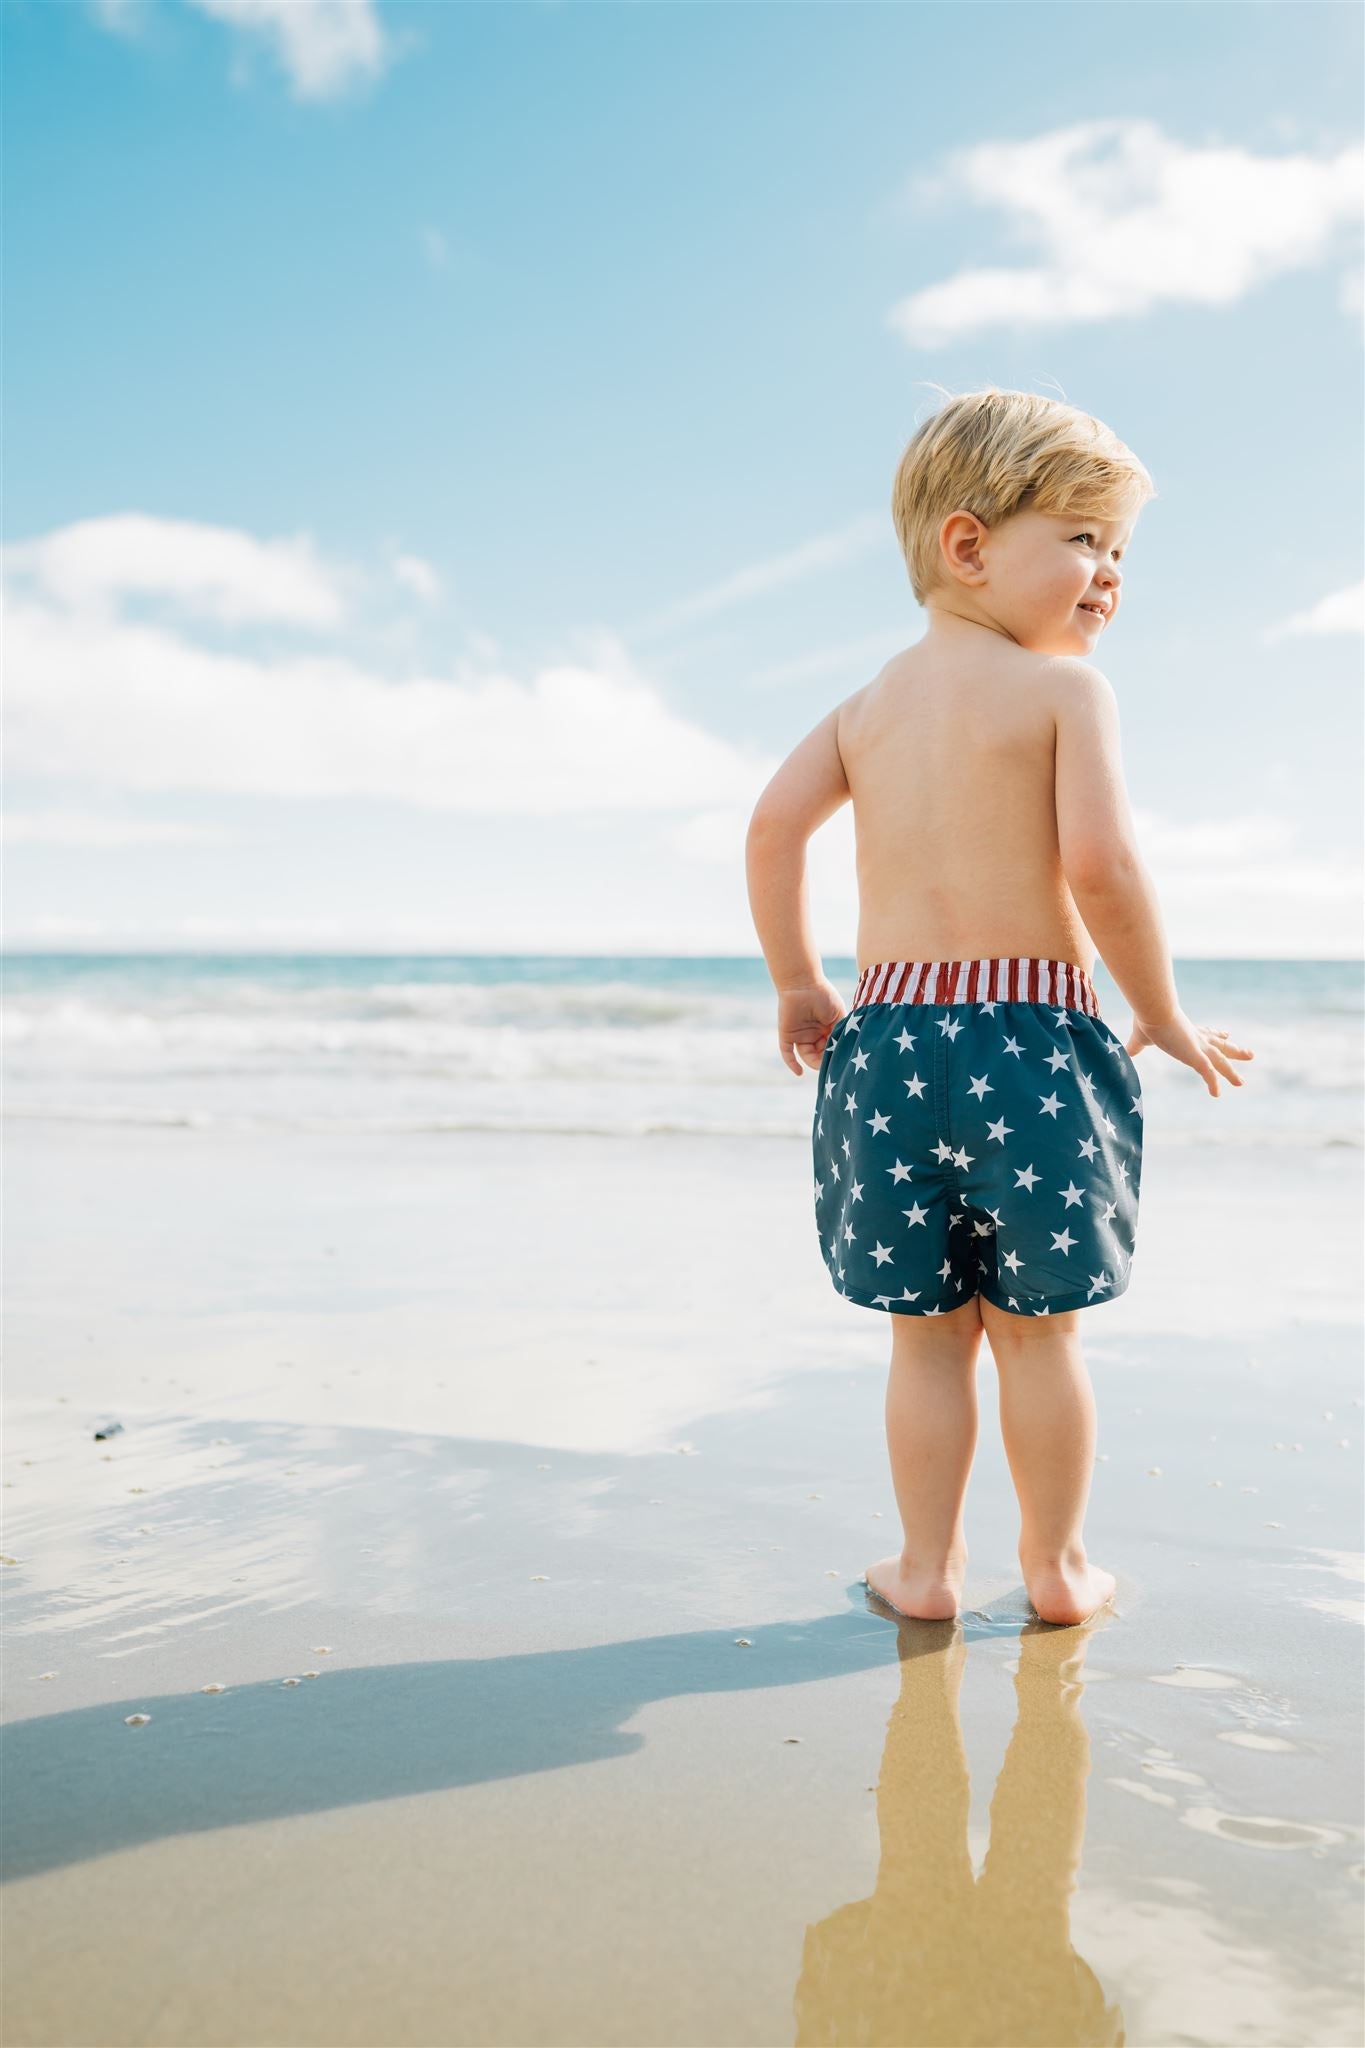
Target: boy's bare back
{"points": [[951, 758]]}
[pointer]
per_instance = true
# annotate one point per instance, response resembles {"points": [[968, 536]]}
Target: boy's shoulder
{"points": [[1070, 678]]}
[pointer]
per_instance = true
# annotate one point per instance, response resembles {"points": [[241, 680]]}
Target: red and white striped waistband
{"points": [[1059, 983]]}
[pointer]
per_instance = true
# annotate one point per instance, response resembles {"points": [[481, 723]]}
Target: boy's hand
{"points": [[805, 1018], [1195, 1045]]}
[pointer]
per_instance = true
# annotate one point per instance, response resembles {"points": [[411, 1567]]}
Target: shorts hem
{"points": [[1060, 1304]]}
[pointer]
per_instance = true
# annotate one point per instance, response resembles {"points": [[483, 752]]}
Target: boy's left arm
{"points": [[808, 788]]}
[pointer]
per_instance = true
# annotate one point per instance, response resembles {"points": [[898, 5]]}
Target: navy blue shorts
{"points": [[977, 1129]]}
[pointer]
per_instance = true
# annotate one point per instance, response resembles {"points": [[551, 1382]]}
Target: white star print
{"points": [[1013, 1261], [906, 1295], [1013, 1045], [881, 1252], [850, 1103], [945, 1269], [829, 1084], [904, 1039], [961, 1160], [1097, 1281], [1088, 1148], [981, 1087], [1063, 1240], [899, 1172], [861, 1058], [933, 1311], [1051, 1105], [915, 1085], [855, 1193], [848, 1233], [1072, 1193], [1136, 1109], [1024, 1177], [1000, 1130], [1109, 1209], [819, 1189], [879, 1122], [943, 1150], [950, 1026], [1057, 1058], [916, 1214], [987, 1006]]}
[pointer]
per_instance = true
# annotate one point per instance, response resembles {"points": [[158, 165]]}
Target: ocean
{"points": [[616, 1045]]}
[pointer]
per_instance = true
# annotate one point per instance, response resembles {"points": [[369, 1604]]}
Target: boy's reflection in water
{"points": [[937, 1958]]}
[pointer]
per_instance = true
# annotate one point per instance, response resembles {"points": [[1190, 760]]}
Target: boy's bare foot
{"points": [[925, 1593], [1067, 1589]]}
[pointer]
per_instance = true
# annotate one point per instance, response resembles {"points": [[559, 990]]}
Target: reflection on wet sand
{"points": [[937, 1957]]}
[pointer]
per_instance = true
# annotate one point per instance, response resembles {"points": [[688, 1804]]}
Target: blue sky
{"points": [[449, 446]]}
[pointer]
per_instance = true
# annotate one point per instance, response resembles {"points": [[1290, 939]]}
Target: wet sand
{"points": [[498, 1448]]}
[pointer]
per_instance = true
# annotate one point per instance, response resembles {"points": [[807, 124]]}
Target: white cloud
{"points": [[137, 705], [323, 46], [120, 17], [826, 551], [1124, 219], [208, 572], [81, 828], [1341, 611]]}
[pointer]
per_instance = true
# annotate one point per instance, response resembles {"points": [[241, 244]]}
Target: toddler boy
{"points": [[977, 1132]]}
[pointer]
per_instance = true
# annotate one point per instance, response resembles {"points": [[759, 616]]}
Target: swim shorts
{"points": [[977, 1129]]}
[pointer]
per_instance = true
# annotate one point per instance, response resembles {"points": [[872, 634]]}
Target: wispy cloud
{"points": [[849, 659], [1341, 611], [143, 705], [1126, 218], [417, 576], [324, 47], [435, 247], [826, 551]]}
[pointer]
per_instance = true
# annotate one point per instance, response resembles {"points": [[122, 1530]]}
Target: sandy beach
{"points": [[482, 1544]]}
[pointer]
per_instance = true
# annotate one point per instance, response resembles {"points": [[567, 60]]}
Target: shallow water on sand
{"points": [[552, 1708]]}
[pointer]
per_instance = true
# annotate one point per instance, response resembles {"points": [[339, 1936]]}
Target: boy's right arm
{"points": [[1104, 870]]}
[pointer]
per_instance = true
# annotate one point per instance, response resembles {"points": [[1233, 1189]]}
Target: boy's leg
{"points": [[931, 1422], [1047, 1421]]}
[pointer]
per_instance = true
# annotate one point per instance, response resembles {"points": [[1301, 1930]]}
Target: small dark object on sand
{"points": [[110, 1429]]}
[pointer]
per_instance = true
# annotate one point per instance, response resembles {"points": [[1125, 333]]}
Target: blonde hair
{"points": [[995, 453]]}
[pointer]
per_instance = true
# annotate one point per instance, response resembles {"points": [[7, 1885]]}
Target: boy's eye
{"points": [[1090, 536]]}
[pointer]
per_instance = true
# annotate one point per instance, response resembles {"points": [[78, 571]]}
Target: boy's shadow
{"points": [[83, 1784], [936, 1957]]}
